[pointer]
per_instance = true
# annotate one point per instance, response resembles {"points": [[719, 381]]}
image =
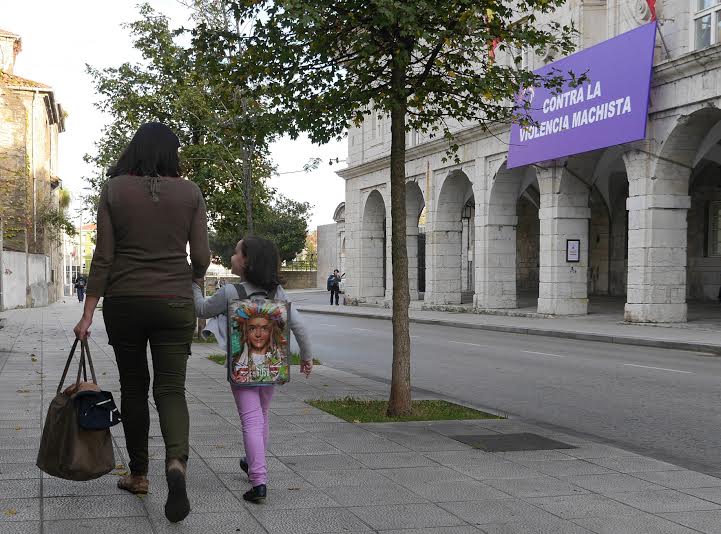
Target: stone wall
{"points": [[527, 236], [327, 253], [15, 281], [300, 279], [704, 269]]}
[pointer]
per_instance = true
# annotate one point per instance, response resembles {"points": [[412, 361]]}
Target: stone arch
{"points": [[499, 270], [373, 247], [703, 241], [445, 240], [682, 150], [414, 239]]}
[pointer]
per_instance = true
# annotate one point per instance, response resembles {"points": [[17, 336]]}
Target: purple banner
{"points": [[609, 109]]}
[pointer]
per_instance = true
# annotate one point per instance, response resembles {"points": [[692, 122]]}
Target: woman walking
{"points": [[147, 215]]}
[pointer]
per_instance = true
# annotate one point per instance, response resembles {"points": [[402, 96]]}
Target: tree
{"points": [[184, 86], [322, 65]]}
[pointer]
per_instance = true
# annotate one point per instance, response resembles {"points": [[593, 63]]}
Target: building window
{"points": [[706, 23], [714, 229]]}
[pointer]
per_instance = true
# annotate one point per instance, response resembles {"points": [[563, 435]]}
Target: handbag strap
{"points": [[67, 365], [90, 361], [84, 353]]}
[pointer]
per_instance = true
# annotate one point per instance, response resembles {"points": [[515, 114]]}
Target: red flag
{"points": [[652, 8], [492, 48]]}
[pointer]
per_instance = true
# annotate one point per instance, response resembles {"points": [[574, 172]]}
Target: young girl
{"points": [[256, 262]]}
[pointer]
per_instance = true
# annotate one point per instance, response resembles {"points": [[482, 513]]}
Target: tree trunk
{"points": [[400, 397], [248, 186]]}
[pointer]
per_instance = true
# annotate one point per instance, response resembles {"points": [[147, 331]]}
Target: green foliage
{"points": [[322, 66], [181, 83]]}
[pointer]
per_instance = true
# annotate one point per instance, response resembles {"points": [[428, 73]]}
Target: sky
{"points": [[60, 37]]}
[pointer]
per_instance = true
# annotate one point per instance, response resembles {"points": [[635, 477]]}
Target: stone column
{"points": [[564, 214], [412, 247], [657, 234], [443, 274]]}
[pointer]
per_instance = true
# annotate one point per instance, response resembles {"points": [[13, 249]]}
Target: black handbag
{"points": [[96, 409]]}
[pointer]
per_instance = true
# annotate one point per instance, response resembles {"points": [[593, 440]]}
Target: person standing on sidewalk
{"points": [[147, 215], [257, 262], [80, 287], [333, 286]]}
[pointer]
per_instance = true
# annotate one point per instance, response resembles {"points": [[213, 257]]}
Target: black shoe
{"points": [[256, 494], [177, 506], [244, 465]]}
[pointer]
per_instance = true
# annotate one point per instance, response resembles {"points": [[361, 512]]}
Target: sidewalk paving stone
{"points": [[662, 501], [327, 476], [708, 521]]}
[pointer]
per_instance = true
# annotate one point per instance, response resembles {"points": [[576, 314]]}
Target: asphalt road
{"points": [[663, 403]]}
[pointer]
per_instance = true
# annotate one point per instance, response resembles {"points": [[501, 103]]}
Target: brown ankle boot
{"points": [[177, 507], [136, 484]]}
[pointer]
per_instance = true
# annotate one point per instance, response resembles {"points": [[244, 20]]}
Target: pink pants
{"points": [[253, 403]]}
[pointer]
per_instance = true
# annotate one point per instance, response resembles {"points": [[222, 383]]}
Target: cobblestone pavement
{"points": [[327, 476]]}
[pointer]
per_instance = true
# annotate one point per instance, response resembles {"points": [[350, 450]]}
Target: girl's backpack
{"points": [[258, 350]]}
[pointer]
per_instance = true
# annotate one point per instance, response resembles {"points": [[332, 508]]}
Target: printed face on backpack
{"points": [[259, 331]]}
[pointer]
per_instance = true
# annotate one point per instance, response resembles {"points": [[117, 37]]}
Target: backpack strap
{"points": [[243, 294]]}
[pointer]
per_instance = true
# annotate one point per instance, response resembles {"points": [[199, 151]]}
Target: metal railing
{"points": [[308, 263]]}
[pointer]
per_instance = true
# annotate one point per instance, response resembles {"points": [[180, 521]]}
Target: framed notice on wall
{"points": [[573, 250]]}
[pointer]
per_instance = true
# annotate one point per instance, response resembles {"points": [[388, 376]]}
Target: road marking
{"points": [[464, 343], [325, 324], [658, 368], [363, 330], [543, 353]]}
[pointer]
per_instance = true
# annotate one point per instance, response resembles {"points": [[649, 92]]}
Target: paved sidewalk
{"points": [[699, 337], [327, 476]]}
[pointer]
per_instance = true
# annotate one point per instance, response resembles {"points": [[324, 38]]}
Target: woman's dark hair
{"points": [[153, 151], [262, 262]]}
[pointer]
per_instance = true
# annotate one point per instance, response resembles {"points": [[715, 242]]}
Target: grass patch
{"points": [[374, 411], [217, 358], [294, 359], [210, 339]]}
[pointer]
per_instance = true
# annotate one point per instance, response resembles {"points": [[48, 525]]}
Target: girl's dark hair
{"points": [[153, 151], [262, 262]]}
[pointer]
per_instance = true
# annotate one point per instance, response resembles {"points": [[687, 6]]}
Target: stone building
{"points": [[30, 122], [646, 214]]}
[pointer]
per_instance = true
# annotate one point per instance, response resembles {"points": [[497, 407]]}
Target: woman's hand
{"points": [[82, 329], [306, 366]]}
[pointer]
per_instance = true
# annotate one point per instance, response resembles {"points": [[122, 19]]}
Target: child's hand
{"points": [[306, 366]]}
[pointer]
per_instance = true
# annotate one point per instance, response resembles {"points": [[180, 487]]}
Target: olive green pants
{"points": [[168, 325]]}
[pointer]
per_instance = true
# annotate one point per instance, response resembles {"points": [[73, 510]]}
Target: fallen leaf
{"points": [[356, 420], [120, 473], [293, 489], [220, 446], [18, 428], [33, 358], [119, 466], [11, 512]]}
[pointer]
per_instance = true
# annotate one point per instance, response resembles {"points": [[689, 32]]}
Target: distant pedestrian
{"points": [[333, 285], [147, 216], [80, 287], [256, 261]]}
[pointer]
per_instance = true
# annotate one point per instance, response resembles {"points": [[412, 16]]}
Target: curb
{"points": [[714, 350]]}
